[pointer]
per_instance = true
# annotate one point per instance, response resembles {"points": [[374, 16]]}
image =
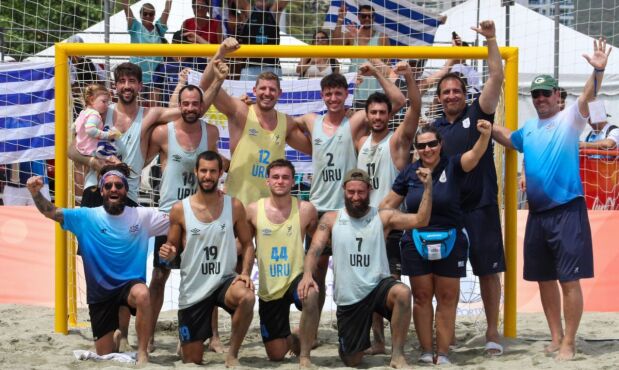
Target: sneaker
{"points": [[442, 359], [426, 358]]}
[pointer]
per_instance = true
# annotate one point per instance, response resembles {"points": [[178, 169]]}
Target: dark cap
{"points": [[544, 82], [357, 175]]}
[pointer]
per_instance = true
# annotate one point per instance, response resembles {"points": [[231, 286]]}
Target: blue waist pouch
{"points": [[434, 245]]}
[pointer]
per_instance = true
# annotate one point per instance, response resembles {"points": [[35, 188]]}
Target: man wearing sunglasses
{"points": [[557, 241], [113, 242], [479, 191], [147, 31]]}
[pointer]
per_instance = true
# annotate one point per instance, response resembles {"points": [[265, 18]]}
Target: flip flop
{"points": [[493, 349]]}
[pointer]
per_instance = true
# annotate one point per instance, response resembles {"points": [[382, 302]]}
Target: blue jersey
{"points": [[447, 178], [550, 148], [113, 248]]}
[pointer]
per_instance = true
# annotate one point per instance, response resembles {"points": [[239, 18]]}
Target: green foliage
{"points": [[30, 26]]}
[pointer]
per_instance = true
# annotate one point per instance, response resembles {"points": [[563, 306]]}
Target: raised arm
{"points": [[427, 83], [603, 144], [397, 220], [47, 208], [220, 70], [319, 241], [182, 81], [598, 61], [128, 13], [470, 159], [490, 94], [338, 37], [163, 20], [391, 200], [391, 90], [404, 134]]}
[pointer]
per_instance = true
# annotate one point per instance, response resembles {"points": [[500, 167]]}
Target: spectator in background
{"points": [[234, 24], [365, 35], [563, 97], [166, 76], [17, 175], [262, 28], [603, 135], [147, 32], [318, 67], [203, 28]]}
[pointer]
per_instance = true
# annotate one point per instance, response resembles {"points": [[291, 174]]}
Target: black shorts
{"points": [[452, 266], [327, 251], [483, 226], [104, 315], [557, 244], [91, 198], [157, 262], [275, 314], [354, 321], [393, 252], [194, 322]]}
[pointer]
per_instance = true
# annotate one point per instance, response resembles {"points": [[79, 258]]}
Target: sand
{"points": [[27, 340]]}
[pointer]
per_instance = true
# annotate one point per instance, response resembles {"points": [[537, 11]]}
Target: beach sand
{"points": [[27, 341]]}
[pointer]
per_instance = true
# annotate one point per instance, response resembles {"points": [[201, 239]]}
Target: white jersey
{"points": [[209, 256], [377, 161], [359, 256]]}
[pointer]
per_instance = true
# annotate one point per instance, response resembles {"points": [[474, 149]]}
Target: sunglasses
{"points": [[148, 14], [430, 144], [536, 93], [118, 185], [365, 15]]}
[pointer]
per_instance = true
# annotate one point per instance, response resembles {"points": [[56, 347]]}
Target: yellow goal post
{"points": [[62, 93]]}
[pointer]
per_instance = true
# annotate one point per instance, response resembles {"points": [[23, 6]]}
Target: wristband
{"points": [[490, 38], [598, 70]]}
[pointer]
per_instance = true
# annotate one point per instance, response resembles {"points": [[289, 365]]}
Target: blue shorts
{"points": [[557, 244], [486, 254], [452, 266]]}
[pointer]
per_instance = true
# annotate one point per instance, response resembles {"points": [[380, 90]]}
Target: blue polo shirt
{"points": [[447, 179], [479, 188], [550, 148], [165, 77]]}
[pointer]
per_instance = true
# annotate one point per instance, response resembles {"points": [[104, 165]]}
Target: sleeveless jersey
{"points": [[377, 161], [279, 250], [129, 152], [370, 84], [257, 148], [359, 256], [179, 180], [209, 257], [332, 158]]}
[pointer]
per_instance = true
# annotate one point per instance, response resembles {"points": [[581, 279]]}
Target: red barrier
{"points": [[599, 172]]}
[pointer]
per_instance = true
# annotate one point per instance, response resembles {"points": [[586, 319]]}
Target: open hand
{"points": [[600, 56]]}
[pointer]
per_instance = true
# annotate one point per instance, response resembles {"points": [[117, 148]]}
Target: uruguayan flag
{"points": [[298, 98], [403, 22], [26, 111]]}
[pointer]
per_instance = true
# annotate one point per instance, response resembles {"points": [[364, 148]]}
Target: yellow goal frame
{"points": [[64, 50]]}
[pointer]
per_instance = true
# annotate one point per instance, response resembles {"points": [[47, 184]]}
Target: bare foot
{"points": [[304, 362], [398, 362], [142, 359], [231, 361], [378, 348], [215, 345], [179, 349], [566, 352], [553, 347]]}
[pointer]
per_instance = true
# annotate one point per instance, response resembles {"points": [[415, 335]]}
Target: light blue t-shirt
{"points": [[552, 167], [113, 248], [140, 35]]}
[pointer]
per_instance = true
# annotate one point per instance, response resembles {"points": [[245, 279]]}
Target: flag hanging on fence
{"points": [[404, 23], [298, 98], [26, 111]]}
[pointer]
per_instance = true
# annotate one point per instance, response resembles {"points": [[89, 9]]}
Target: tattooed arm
{"points": [[47, 208], [319, 241]]}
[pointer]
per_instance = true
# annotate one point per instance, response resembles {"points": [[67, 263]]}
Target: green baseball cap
{"points": [[544, 82], [357, 175]]}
